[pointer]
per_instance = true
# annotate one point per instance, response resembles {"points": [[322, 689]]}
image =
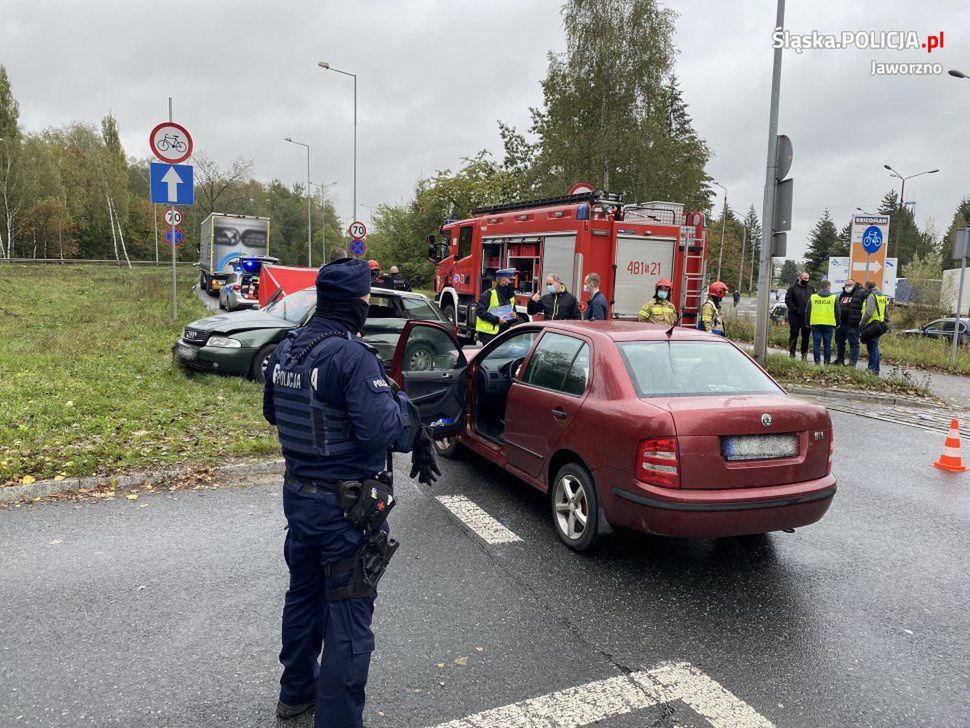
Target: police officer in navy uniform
{"points": [[337, 417]]}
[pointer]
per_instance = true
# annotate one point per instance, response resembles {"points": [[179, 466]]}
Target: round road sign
{"points": [[170, 142], [357, 247], [173, 217], [357, 230], [872, 239], [580, 188], [179, 237]]}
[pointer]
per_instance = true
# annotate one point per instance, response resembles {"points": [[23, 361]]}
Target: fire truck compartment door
{"points": [[640, 263], [558, 255]]}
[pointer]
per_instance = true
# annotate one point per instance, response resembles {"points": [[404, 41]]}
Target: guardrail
{"points": [[91, 261]]}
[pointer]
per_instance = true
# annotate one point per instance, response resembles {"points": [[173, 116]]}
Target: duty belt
{"points": [[312, 486]]}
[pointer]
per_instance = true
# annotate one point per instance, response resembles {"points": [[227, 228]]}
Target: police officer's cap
{"points": [[505, 273], [343, 280]]}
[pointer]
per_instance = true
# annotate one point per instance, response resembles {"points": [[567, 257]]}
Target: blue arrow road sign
{"points": [[357, 247], [172, 184], [872, 239]]}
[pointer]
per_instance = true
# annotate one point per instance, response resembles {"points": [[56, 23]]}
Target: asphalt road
{"points": [[165, 611]]}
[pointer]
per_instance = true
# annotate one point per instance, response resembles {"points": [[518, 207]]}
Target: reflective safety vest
{"points": [[711, 317], [487, 327], [658, 312], [879, 311], [306, 425], [823, 310]]}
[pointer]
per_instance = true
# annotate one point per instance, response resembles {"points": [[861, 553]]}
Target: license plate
{"points": [[187, 352], [759, 447]]}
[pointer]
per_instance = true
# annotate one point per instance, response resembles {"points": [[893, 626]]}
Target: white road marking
{"points": [[490, 530], [595, 701]]}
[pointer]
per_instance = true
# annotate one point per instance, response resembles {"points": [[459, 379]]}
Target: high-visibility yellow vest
{"points": [[658, 312], [879, 311], [711, 316], [487, 327], [823, 310]]}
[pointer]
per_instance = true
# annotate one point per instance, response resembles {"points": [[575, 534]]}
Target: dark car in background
{"points": [[942, 329], [240, 342]]}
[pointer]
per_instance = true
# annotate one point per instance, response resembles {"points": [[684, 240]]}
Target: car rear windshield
{"points": [[294, 307], [692, 368], [419, 308]]}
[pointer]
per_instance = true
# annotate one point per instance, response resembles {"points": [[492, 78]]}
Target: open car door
{"points": [[430, 368]]}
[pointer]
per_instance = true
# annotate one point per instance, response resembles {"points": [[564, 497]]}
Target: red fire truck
{"points": [[631, 246]]}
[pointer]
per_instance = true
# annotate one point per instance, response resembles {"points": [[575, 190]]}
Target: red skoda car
{"points": [[626, 426]]}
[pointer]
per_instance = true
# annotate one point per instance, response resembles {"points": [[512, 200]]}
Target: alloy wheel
{"points": [[420, 360], [572, 507]]}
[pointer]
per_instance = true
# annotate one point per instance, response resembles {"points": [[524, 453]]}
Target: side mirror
{"points": [[432, 249]]}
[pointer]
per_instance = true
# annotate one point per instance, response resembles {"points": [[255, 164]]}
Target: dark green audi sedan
{"points": [[240, 342]]}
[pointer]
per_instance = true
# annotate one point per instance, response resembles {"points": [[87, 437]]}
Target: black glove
{"points": [[423, 462]]}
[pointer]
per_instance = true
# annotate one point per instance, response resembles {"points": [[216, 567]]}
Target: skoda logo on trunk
{"points": [[766, 419]]}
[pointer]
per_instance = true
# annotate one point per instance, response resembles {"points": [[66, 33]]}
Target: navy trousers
{"points": [[319, 534]]}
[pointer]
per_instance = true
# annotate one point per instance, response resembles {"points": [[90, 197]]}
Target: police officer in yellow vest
{"points": [[488, 321], [659, 309], [875, 322], [822, 314]]}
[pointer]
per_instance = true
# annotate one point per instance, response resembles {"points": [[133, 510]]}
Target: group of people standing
{"points": [[857, 314], [495, 310]]}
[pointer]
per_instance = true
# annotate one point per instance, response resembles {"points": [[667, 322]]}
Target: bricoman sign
{"points": [[867, 249]]}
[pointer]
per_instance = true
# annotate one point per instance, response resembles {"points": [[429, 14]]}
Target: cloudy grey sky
{"points": [[435, 76]]}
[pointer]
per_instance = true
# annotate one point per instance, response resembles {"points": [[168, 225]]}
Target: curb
{"points": [[44, 488], [891, 399]]}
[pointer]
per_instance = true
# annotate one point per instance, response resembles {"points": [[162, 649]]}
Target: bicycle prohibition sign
{"points": [[171, 142]]}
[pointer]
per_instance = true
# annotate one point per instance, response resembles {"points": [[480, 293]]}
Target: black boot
{"points": [[285, 712]]}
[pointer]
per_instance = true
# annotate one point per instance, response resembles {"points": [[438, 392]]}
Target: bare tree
{"points": [[213, 180]]}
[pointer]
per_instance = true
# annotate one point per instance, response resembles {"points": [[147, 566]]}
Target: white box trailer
{"points": [[950, 287], [226, 238]]}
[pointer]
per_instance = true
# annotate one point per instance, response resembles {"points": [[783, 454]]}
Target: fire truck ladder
{"points": [[594, 197], [693, 283]]}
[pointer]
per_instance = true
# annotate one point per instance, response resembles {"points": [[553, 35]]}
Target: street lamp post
{"points": [[326, 66], [309, 230], [902, 195], [720, 253]]}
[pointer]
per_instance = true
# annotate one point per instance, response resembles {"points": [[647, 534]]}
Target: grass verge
{"points": [[87, 382], [902, 351], [796, 372]]}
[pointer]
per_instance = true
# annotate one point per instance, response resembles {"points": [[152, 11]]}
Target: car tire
{"points": [[572, 498], [258, 371], [447, 448], [449, 312], [418, 357]]}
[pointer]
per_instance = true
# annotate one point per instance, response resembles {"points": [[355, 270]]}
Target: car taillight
{"points": [[658, 462], [828, 470], [235, 286]]}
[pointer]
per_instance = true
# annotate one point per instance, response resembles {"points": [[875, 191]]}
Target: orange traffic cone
{"points": [[951, 460]]}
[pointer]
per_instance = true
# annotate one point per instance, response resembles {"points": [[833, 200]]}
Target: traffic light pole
{"points": [[767, 219]]}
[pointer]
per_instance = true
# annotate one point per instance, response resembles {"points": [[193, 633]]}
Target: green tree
{"points": [[10, 172], [789, 272], [613, 114], [961, 216], [753, 253], [821, 241], [841, 246], [903, 228]]}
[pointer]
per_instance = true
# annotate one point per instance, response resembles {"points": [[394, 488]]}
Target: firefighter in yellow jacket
{"points": [[711, 310], [659, 309]]}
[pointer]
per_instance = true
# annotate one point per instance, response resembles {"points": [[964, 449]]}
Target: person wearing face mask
{"points": [[659, 309], [337, 418], [850, 307], [796, 300], [711, 310], [491, 314], [556, 304], [597, 307]]}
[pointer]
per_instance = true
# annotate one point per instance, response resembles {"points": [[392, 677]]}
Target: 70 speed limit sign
{"points": [[357, 230], [173, 217]]}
